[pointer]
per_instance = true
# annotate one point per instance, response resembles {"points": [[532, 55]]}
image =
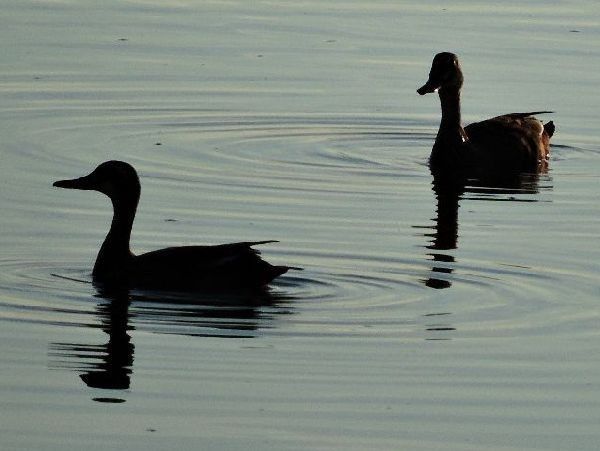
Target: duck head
{"points": [[116, 179], [445, 73]]}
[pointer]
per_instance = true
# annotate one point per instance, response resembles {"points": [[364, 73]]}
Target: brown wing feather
{"points": [[516, 140]]}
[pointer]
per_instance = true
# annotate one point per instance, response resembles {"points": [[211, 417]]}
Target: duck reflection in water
{"points": [[107, 365], [445, 232], [121, 311], [449, 192]]}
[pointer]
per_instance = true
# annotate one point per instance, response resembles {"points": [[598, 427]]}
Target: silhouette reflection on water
{"points": [[120, 311], [108, 365], [449, 190]]}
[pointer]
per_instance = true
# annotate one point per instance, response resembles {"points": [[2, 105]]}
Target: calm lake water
{"points": [[423, 319]]}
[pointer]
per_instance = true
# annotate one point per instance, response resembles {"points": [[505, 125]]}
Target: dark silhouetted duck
{"points": [[227, 266], [515, 142]]}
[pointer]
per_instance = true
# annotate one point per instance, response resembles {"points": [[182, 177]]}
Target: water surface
{"points": [[425, 317]]}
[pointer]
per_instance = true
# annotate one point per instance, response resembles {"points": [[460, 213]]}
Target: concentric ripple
{"points": [[349, 197]]}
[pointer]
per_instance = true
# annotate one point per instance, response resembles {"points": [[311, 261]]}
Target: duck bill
{"points": [[428, 88], [80, 183]]}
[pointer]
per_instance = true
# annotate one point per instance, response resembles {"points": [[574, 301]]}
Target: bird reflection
{"points": [[120, 311], [445, 231], [449, 190], [113, 370], [108, 365]]}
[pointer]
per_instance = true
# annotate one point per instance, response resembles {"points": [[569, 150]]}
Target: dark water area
{"points": [[427, 315]]}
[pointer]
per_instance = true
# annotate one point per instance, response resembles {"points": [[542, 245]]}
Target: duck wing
{"points": [[515, 140], [232, 266]]}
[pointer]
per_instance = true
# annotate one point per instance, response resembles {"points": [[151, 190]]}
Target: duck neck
{"points": [[115, 253], [448, 146], [450, 101]]}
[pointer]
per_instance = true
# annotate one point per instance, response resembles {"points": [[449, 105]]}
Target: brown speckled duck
{"points": [[515, 142], [231, 266]]}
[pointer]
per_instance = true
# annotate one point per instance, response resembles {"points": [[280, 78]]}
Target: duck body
{"points": [[231, 266], [515, 142]]}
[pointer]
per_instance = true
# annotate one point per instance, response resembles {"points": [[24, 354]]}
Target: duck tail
{"points": [[533, 113], [549, 128], [294, 268], [277, 269], [256, 243], [528, 114], [268, 273]]}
